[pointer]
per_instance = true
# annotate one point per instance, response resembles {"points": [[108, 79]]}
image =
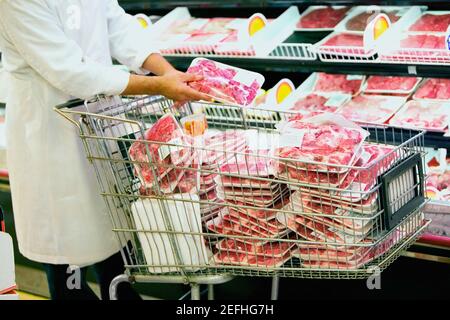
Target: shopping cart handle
{"points": [[70, 104]]}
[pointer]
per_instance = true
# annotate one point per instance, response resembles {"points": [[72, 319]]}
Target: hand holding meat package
{"points": [[225, 83]]}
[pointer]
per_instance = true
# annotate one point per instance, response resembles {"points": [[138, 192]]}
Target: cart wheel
{"points": [[115, 284]]}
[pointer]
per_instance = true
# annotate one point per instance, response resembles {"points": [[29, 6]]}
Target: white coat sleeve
{"points": [[33, 29], [130, 44]]}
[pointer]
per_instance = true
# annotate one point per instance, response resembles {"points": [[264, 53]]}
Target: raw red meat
{"points": [[360, 21], [328, 144], [371, 109], [311, 105], [159, 168], [432, 22], [252, 164], [344, 40], [423, 115], [327, 82], [424, 41], [322, 18], [219, 83], [272, 248], [391, 84], [434, 88]]}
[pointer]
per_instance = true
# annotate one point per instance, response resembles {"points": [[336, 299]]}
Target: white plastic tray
{"points": [[261, 44]]}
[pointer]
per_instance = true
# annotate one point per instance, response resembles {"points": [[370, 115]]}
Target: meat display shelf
{"points": [[286, 65]]}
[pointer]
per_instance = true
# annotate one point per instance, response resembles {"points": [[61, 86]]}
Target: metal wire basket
{"points": [[227, 205]]}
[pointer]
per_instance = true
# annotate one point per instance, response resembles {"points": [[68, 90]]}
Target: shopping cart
{"points": [[238, 202]]}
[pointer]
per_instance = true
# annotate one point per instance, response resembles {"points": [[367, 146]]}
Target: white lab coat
{"points": [[54, 50]]}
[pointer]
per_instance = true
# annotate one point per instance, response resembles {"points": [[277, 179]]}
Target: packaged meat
{"points": [[269, 249], [391, 84], [163, 157], [225, 83], [347, 84], [424, 41], [314, 104], [433, 21], [321, 18], [359, 19], [254, 163], [267, 213], [321, 143], [423, 115], [371, 109], [434, 89], [342, 43], [242, 259]]}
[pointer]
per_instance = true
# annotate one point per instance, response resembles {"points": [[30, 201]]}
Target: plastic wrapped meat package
{"points": [[321, 17], [417, 47], [170, 166], [423, 115], [348, 251], [391, 85], [432, 22], [225, 83], [359, 21], [342, 83], [434, 89], [371, 109], [344, 43], [313, 104], [322, 143], [217, 148]]}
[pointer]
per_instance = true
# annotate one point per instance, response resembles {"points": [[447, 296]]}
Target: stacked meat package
{"points": [[218, 147], [167, 164], [247, 184], [334, 206]]}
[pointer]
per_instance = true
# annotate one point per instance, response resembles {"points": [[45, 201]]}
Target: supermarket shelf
{"points": [[268, 4], [275, 64]]}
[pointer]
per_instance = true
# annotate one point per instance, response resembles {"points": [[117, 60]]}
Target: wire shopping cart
{"points": [[240, 200]]}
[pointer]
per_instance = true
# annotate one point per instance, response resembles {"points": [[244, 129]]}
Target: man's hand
{"points": [[174, 85]]}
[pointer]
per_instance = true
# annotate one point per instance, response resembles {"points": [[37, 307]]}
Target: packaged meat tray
{"points": [[313, 104], [321, 18], [323, 143], [243, 259], [422, 115], [429, 48], [270, 249], [371, 109], [432, 21], [342, 83], [359, 17], [344, 44], [436, 89], [391, 85], [163, 156], [254, 163], [225, 83]]}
